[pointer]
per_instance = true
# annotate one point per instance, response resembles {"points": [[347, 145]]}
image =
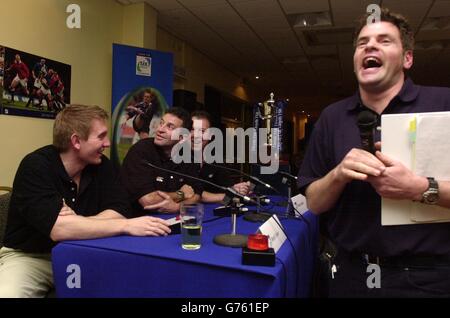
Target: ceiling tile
{"points": [[296, 6]]}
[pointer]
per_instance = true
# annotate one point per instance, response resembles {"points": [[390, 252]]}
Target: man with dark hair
{"points": [[347, 183], [199, 138], [153, 189], [64, 191]]}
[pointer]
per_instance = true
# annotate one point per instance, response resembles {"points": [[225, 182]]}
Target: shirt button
{"points": [[171, 177], [73, 189], [73, 200]]}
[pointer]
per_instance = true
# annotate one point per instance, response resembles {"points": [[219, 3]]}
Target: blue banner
{"points": [[142, 90]]}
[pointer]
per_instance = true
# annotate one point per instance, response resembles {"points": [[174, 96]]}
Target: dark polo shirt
{"points": [[215, 175], [140, 179], [41, 183], [354, 223]]}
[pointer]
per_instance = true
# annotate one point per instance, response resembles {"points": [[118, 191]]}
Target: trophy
{"points": [[267, 117]]}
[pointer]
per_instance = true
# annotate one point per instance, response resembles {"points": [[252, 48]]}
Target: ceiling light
{"points": [[310, 19], [257, 77]]}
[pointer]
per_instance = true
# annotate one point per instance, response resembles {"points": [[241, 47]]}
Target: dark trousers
{"points": [[351, 278]]}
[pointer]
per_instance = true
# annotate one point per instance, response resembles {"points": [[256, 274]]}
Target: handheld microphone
{"points": [[247, 175], [227, 190], [367, 121]]}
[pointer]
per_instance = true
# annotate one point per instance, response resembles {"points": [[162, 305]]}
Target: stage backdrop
{"points": [[141, 93]]}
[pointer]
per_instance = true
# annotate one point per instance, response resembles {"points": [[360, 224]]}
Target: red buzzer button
{"points": [[258, 242]]}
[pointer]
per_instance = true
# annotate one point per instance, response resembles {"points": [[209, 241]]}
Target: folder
{"points": [[420, 142]]}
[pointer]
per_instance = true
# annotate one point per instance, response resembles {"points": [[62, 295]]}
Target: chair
{"points": [[5, 195]]}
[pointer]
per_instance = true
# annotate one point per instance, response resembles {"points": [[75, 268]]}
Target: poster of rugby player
{"points": [[137, 116], [32, 85]]}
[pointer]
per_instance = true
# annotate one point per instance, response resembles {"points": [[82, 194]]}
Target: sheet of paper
{"points": [[431, 128]]}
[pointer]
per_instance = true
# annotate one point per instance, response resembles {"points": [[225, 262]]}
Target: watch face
{"points": [[431, 198]]}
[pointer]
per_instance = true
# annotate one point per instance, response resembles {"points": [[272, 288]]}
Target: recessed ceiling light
{"points": [[257, 77]]}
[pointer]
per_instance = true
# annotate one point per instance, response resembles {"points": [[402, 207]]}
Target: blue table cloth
{"points": [[126, 266]]}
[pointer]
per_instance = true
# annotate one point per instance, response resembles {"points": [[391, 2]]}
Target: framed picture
{"points": [[32, 85]]}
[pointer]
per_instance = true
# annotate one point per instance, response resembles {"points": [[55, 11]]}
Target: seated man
{"points": [[153, 189], [64, 191], [202, 121]]}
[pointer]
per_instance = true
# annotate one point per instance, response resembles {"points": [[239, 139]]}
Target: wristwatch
{"points": [[180, 196], [431, 196]]}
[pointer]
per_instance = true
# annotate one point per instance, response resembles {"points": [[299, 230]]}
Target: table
{"points": [[126, 266]]}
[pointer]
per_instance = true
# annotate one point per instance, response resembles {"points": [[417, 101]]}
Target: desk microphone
{"points": [[253, 216], [233, 239], [283, 173], [227, 190], [265, 184], [367, 121]]}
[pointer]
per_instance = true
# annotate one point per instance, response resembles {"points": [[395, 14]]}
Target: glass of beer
{"points": [[191, 216]]}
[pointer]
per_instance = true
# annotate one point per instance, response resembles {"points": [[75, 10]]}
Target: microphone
{"points": [[227, 190], [253, 216], [283, 173], [247, 175], [367, 121], [233, 239]]}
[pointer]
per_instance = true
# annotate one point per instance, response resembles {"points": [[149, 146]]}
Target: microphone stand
{"points": [[233, 239], [252, 216]]}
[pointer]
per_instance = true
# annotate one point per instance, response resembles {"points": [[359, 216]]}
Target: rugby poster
{"points": [[32, 85]]}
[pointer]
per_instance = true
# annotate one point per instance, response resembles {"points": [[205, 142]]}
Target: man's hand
{"points": [[146, 226], [66, 210], [188, 191], [166, 206], [397, 181], [358, 164], [242, 187]]}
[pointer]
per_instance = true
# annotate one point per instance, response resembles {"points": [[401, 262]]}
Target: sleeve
{"points": [[316, 163], [112, 194], [191, 169], [224, 177], [35, 195], [135, 175]]}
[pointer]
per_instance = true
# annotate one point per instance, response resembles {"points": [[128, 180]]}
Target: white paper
{"points": [[427, 159], [299, 203], [272, 229]]}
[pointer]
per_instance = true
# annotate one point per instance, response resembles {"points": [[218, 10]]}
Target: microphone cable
{"points": [[295, 257]]}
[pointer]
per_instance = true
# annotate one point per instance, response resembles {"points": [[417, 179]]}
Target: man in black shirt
{"points": [[154, 189], [64, 191], [346, 183], [200, 138]]}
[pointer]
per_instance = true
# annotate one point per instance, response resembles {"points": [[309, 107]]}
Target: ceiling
{"points": [[269, 38]]}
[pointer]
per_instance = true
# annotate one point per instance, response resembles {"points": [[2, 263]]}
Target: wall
{"points": [[40, 29]]}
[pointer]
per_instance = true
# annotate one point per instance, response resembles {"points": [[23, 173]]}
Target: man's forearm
{"points": [[444, 194], [209, 197], [107, 214], [194, 199], [322, 194], [76, 227], [150, 198]]}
